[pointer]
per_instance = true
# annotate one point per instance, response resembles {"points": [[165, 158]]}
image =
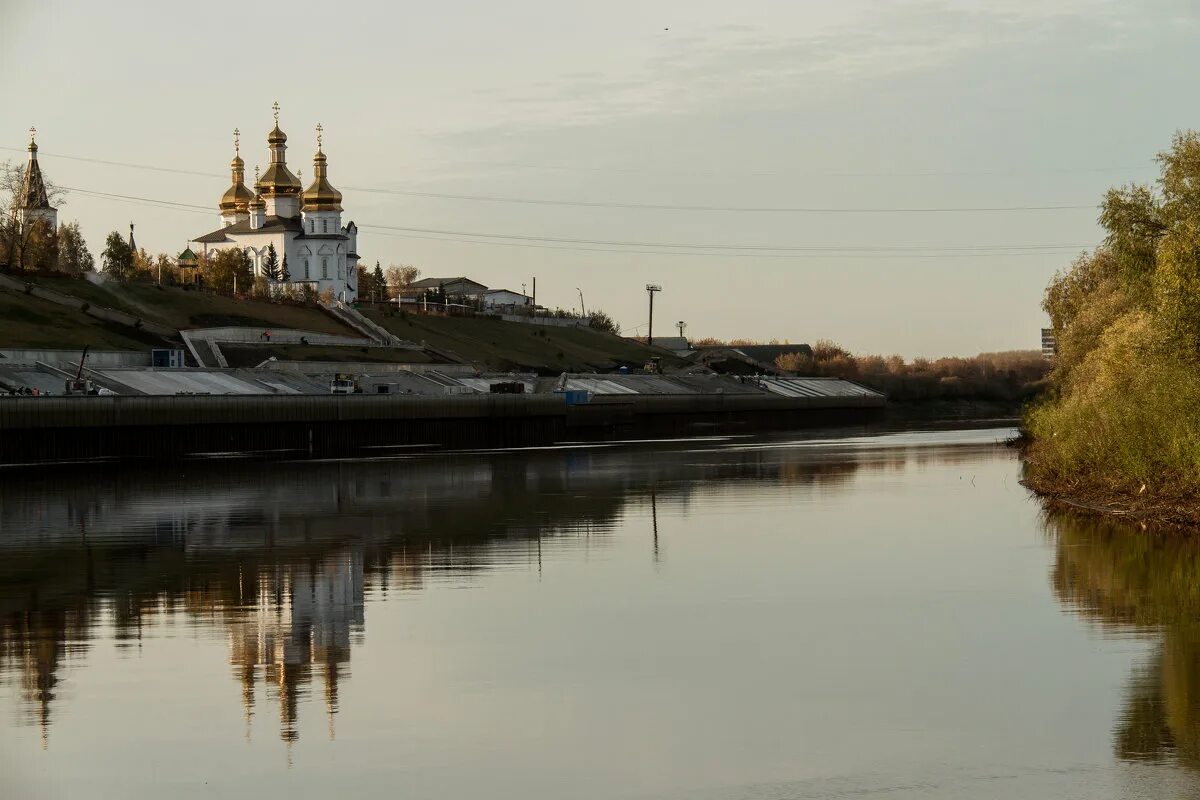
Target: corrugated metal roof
{"points": [[596, 386], [816, 387]]}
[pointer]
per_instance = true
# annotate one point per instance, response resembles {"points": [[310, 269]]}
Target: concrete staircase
{"points": [[367, 327]]}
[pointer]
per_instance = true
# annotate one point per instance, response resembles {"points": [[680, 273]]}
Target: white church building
{"points": [[304, 225]]}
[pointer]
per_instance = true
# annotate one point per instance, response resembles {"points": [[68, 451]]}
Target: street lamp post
{"points": [[651, 289], [582, 307]]}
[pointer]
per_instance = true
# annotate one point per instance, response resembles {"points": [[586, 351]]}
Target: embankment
{"points": [[167, 428]]}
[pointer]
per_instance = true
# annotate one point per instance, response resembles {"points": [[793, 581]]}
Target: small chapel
{"points": [[304, 225]]}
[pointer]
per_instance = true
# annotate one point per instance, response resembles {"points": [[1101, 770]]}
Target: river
{"points": [[842, 614]]}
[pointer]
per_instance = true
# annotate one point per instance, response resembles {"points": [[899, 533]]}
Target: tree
{"points": [[380, 283], [366, 282], [145, 268], [271, 264], [117, 257], [601, 321], [228, 270], [25, 246], [73, 255], [284, 274], [400, 277], [12, 181]]}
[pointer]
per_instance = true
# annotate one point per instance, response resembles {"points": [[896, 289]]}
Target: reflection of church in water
{"points": [[298, 620], [281, 560]]}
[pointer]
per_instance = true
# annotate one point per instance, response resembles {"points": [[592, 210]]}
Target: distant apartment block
{"points": [[1049, 343]]}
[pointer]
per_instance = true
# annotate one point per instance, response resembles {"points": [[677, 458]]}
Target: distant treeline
{"points": [[1009, 377]]}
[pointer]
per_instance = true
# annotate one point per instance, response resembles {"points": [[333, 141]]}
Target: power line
{"points": [[133, 199], [692, 253], [630, 206], [722, 247], [798, 172], [665, 248]]}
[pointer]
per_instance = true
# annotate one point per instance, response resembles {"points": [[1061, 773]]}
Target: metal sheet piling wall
{"points": [[125, 427]]}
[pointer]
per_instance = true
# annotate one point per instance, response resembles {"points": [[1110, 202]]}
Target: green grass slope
{"points": [[29, 322], [180, 308], [503, 345]]}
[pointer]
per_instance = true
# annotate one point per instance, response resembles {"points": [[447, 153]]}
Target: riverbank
{"points": [[1176, 512], [172, 428]]}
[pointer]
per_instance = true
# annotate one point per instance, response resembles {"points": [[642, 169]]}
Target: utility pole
{"points": [[651, 288], [582, 308]]}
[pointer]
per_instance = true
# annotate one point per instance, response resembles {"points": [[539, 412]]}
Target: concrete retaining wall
{"points": [[278, 336], [95, 358], [549, 322], [70, 428]]}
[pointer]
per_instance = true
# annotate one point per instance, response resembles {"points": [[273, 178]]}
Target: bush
{"points": [[998, 377], [1120, 416]]}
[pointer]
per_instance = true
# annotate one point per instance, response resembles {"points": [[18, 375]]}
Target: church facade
{"points": [[304, 225]]}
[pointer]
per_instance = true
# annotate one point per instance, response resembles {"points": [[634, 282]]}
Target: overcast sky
{"points": [[749, 105]]}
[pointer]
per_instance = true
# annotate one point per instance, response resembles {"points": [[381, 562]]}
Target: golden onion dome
{"points": [[236, 198], [321, 196], [276, 136]]}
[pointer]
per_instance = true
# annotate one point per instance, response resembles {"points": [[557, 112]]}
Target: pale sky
{"points": [[750, 105]]}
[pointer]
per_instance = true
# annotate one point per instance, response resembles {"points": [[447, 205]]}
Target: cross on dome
{"points": [[237, 141], [275, 107], [32, 133], [320, 130]]}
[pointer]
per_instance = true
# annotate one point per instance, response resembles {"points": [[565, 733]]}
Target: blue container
{"points": [[577, 397]]}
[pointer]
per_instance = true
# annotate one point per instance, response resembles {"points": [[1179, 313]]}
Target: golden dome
{"points": [[237, 197], [321, 196], [278, 179]]}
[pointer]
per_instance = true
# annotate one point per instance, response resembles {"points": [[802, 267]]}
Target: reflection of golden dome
{"points": [[321, 196]]}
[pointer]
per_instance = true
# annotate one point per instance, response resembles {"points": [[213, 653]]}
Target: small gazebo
{"points": [[188, 266]]}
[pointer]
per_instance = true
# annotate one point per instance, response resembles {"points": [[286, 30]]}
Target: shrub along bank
{"points": [[1120, 425]]}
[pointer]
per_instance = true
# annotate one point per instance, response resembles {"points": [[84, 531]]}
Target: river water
{"points": [[828, 615]]}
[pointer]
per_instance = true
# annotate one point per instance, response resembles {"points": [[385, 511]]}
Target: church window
{"points": [[306, 276], [324, 226], [312, 226], [325, 268]]}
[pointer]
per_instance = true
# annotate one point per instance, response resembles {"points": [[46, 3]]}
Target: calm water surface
{"points": [[725, 619]]}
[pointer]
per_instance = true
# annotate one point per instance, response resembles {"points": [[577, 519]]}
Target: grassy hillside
{"points": [[181, 308], [29, 322], [512, 345]]}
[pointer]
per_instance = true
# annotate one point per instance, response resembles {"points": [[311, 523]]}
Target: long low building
{"points": [[300, 378]]}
